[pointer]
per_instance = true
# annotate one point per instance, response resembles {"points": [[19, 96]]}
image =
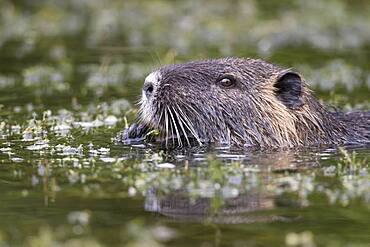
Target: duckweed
{"points": [[70, 78]]}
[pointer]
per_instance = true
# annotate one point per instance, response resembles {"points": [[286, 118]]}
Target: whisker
{"points": [[159, 118], [190, 126], [180, 120], [166, 123], [176, 129], [169, 127]]}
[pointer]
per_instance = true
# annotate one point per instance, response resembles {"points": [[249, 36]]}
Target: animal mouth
{"points": [[172, 121]]}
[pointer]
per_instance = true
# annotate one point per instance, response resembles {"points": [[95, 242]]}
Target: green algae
{"points": [[70, 76]]}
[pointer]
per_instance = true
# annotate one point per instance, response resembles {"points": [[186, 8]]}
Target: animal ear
{"points": [[289, 89]]}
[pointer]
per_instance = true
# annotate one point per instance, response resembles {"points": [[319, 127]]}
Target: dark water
{"points": [[70, 75]]}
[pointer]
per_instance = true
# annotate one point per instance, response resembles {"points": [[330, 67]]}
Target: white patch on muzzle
{"points": [[147, 108]]}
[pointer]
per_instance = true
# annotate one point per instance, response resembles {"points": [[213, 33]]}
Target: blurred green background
{"points": [[89, 46], [70, 75]]}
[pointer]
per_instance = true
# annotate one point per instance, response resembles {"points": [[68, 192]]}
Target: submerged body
{"points": [[239, 102]]}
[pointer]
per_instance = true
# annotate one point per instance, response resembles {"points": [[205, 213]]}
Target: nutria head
{"points": [[233, 101]]}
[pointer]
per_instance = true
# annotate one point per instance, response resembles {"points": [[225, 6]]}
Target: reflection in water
{"points": [[222, 187], [232, 199], [245, 192], [232, 210]]}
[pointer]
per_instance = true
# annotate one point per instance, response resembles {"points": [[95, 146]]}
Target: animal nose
{"points": [[148, 89], [151, 84]]}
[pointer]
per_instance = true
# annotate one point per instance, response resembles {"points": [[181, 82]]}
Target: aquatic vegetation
{"points": [[304, 239], [112, 21], [47, 238], [350, 164], [139, 235], [116, 75], [70, 75], [6, 81], [335, 73], [47, 79]]}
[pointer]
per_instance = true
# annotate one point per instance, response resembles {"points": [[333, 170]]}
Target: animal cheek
{"points": [[231, 96], [187, 94], [165, 91]]}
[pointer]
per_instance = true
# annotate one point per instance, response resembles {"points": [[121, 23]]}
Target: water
{"points": [[70, 75]]}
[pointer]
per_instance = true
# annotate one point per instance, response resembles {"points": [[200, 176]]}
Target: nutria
{"points": [[239, 102]]}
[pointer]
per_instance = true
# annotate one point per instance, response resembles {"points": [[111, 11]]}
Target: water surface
{"points": [[70, 77]]}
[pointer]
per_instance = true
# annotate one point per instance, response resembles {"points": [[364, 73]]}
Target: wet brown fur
{"points": [[253, 113]]}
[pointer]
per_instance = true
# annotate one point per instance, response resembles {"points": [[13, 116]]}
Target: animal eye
{"points": [[227, 81]]}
